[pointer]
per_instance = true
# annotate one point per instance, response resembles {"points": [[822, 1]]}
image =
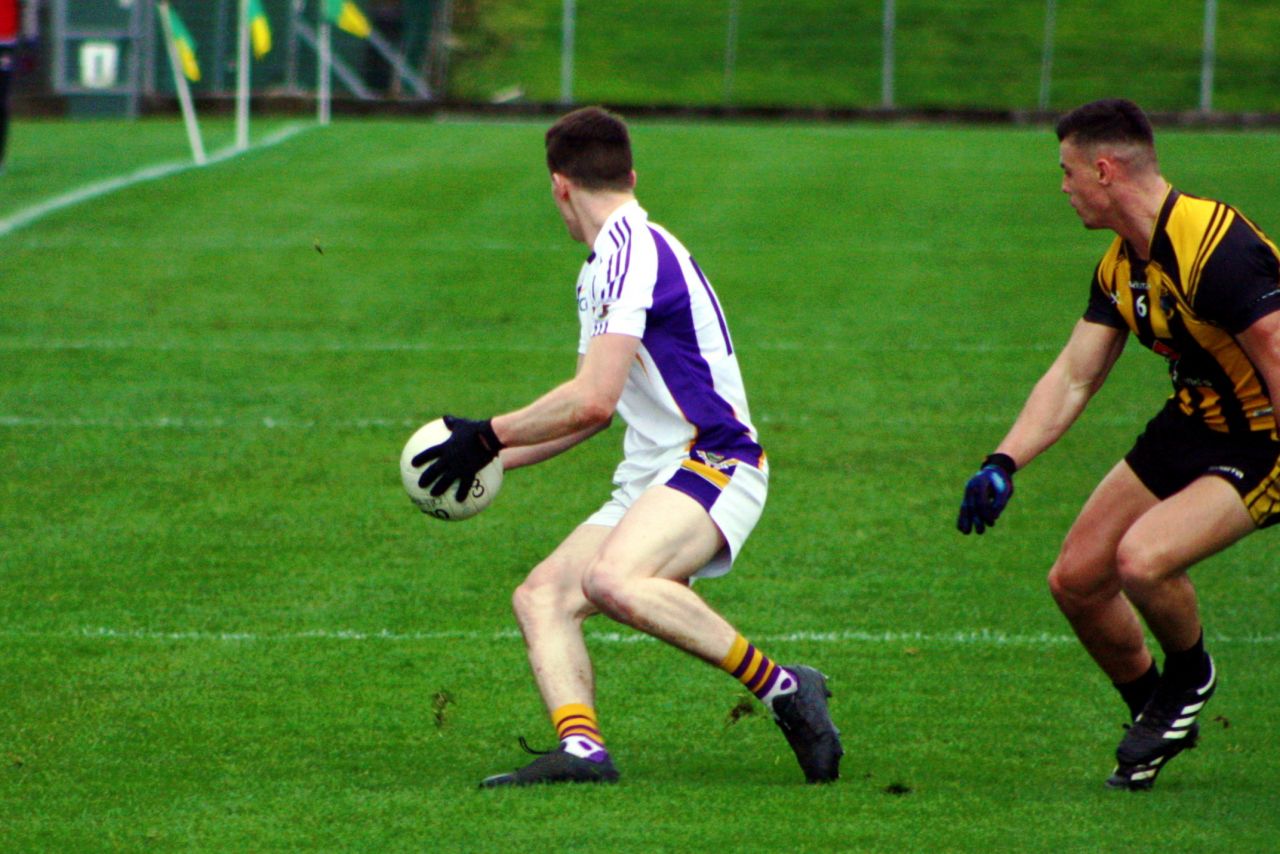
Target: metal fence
{"points": [[113, 47], [897, 54], [1177, 55]]}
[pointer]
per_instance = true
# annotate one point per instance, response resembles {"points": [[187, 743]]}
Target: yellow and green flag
{"points": [[185, 46], [259, 29], [347, 16]]}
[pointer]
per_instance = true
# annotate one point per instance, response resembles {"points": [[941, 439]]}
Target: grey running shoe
{"points": [[804, 720], [1166, 727], [556, 766]]}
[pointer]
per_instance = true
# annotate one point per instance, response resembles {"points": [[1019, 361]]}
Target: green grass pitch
{"points": [[223, 627]]}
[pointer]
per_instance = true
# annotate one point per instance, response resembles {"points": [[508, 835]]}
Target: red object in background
{"points": [[10, 22]]}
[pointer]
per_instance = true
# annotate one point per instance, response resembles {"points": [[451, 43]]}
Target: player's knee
{"points": [[543, 592], [1077, 580], [1139, 564], [524, 601], [606, 588]]}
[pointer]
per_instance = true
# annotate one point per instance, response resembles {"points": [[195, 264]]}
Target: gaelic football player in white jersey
{"points": [[655, 349]]}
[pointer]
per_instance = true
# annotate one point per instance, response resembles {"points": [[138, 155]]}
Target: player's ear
{"points": [[1105, 170], [560, 186], [633, 179]]}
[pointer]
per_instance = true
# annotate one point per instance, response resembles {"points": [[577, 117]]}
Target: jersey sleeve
{"points": [[630, 278], [1101, 308], [1240, 282], [584, 328]]}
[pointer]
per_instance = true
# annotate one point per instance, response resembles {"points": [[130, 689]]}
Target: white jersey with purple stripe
{"points": [[684, 395]]}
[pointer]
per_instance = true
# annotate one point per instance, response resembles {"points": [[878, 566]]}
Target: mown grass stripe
{"points": [[967, 637], [106, 187]]}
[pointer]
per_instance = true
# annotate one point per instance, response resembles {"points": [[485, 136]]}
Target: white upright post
{"points": [[1046, 54], [180, 83], [889, 30], [731, 49], [568, 31], [324, 60], [1209, 58], [242, 77]]}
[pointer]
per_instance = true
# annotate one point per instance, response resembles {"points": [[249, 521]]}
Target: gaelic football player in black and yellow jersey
{"points": [[1199, 284]]}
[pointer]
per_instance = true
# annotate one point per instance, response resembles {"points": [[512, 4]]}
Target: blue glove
{"points": [[986, 494], [471, 446]]}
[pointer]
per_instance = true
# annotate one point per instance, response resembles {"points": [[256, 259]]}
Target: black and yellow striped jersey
{"points": [[1212, 273]]}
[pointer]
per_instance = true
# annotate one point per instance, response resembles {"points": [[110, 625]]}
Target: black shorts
{"points": [[1177, 449]]}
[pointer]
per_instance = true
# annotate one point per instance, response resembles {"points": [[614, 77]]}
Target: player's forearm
{"points": [[514, 458], [562, 413], [1053, 406], [1261, 343], [1064, 391]]}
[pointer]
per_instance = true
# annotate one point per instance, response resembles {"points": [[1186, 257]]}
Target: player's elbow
{"points": [[595, 411], [593, 404]]}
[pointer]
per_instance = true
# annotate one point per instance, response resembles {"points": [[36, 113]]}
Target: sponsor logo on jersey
{"points": [[719, 462]]}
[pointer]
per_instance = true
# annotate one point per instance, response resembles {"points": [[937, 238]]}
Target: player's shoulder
{"points": [[1196, 225], [1207, 231], [661, 235], [1111, 259], [625, 232]]}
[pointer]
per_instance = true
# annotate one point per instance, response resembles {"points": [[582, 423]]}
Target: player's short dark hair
{"points": [[591, 146], [1109, 120]]}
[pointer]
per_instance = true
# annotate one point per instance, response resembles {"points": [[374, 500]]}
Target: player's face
{"points": [[1085, 189]]}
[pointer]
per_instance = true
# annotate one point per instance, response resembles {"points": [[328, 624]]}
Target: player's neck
{"points": [[1140, 211], [594, 210]]}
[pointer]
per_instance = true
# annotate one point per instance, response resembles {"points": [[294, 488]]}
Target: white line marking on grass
{"points": [[165, 422], [974, 637], [269, 348], [305, 348], [98, 189], [270, 422]]}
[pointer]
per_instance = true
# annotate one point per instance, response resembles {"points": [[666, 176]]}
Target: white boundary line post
{"points": [[242, 76], [180, 83]]}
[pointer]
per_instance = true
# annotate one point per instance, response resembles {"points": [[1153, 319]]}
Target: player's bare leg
{"points": [[639, 577], [1151, 561], [1086, 585], [551, 606], [1153, 556], [550, 609]]}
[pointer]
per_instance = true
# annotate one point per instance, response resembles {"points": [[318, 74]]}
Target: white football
{"points": [[447, 507]]}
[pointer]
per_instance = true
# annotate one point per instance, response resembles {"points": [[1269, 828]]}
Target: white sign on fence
{"points": [[99, 64]]}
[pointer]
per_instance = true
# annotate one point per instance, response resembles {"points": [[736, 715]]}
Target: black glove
{"points": [[987, 493], [471, 446]]}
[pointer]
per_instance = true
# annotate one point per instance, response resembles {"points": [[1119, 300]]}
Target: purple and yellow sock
{"points": [[757, 671], [578, 731]]}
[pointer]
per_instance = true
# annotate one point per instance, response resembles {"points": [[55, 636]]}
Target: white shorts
{"points": [[732, 493]]}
